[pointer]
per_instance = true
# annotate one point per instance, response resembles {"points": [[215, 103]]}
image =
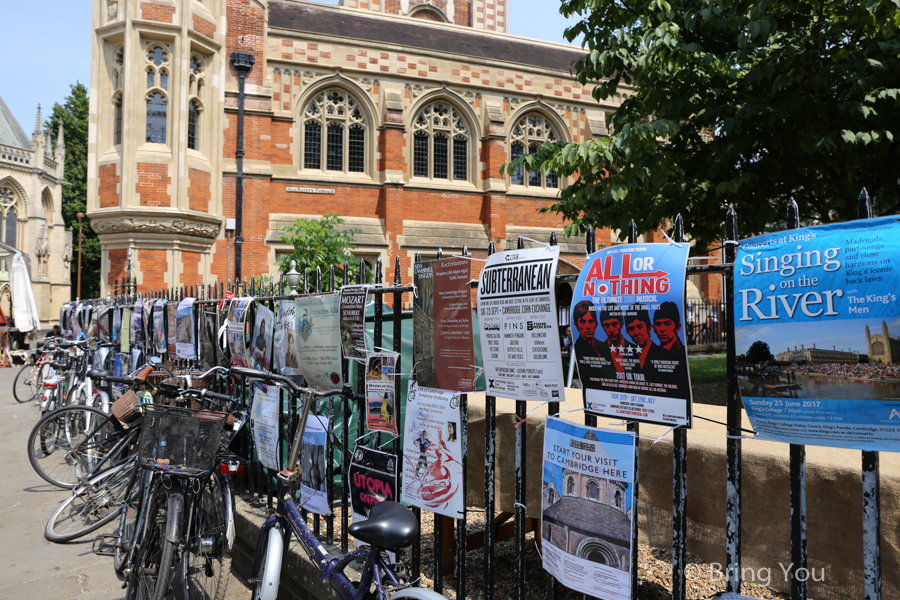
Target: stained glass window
{"points": [[345, 126], [434, 127], [157, 112], [531, 131]]}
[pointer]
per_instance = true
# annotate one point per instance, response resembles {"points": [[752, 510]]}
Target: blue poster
{"points": [[817, 330], [629, 339]]}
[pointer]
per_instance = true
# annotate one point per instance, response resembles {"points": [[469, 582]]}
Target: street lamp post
{"points": [[80, 237], [242, 62]]}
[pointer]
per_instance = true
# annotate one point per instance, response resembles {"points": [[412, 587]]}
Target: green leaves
{"points": [[321, 243]]}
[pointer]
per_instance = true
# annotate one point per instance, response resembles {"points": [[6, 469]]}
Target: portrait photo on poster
{"points": [[381, 402], [629, 341], [235, 331], [261, 338], [184, 329]]}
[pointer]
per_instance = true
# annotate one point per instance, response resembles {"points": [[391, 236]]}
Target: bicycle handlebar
{"points": [[281, 379]]}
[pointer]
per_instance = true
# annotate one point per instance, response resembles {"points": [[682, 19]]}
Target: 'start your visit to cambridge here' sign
{"points": [[824, 300]]}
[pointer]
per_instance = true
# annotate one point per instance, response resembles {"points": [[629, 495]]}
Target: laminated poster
{"points": [[125, 337], [261, 340], [518, 322], [586, 495], [319, 341], [159, 327], [209, 327], [137, 323], [137, 359], [117, 324], [353, 321], [286, 360], [147, 316], [120, 369], [373, 479], [627, 324], [432, 451], [443, 347], [823, 303], [381, 403], [103, 324], [234, 331], [63, 319], [77, 328], [184, 329], [264, 425], [313, 484], [171, 316]]}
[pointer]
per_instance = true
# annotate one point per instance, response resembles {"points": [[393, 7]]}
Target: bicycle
{"points": [[30, 378], [390, 526]]}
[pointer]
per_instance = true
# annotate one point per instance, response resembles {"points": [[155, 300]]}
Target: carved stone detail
{"points": [[308, 77], [415, 90], [157, 225], [364, 82], [468, 96]]}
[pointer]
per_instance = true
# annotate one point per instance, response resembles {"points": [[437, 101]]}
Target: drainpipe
{"points": [[242, 62]]}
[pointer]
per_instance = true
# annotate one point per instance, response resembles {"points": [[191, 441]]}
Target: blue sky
{"points": [[48, 47]]}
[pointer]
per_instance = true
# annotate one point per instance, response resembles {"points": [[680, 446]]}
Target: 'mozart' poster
{"points": [[518, 321], [817, 326], [319, 341], [443, 347], [353, 321], [586, 508], [432, 451], [381, 401], [627, 324]]}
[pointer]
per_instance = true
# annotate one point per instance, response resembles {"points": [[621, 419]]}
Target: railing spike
{"points": [[864, 205], [793, 214], [553, 240], [397, 279]]}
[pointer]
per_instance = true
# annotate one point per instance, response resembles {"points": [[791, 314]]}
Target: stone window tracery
{"points": [[528, 133], [440, 143], [157, 61], [196, 81], [9, 215], [343, 121], [117, 76]]}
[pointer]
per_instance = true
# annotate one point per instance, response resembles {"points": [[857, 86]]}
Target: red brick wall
{"points": [[493, 155], [461, 10], [117, 260], [264, 139], [153, 181], [154, 266], [198, 190], [246, 33], [156, 12], [190, 268], [108, 189], [204, 27], [392, 147]]}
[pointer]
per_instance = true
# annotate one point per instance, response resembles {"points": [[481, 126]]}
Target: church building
{"points": [[395, 114]]}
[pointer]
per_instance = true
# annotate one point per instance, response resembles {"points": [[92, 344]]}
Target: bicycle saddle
{"points": [[59, 365], [99, 374], [390, 526]]}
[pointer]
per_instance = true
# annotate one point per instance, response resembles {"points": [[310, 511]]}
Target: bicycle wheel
{"points": [[205, 564], [269, 574], [153, 563], [127, 529], [68, 442], [92, 506], [27, 385]]}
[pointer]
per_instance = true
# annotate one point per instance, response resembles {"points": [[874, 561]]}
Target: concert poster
{"points": [[373, 479], [264, 425], [381, 401], [159, 327], [171, 316], [319, 341], [261, 340], [285, 353], [629, 337], [125, 334], [353, 321], [184, 329], [235, 331], [313, 492], [137, 323], [208, 331], [147, 316], [443, 346]]}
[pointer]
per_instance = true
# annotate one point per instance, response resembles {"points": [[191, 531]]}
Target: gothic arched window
{"points": [[338, 116], [157, 61], [9, 218], [193, 132], [196, 85], [440, 143], [528, 133], [117, 74], [593, 491]]}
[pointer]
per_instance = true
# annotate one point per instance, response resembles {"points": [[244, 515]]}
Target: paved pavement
{"points": [[34, 568]]}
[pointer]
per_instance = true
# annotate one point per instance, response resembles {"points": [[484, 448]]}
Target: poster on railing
{"points": [[629, 339], [373, 479], [103, 331], [443, 347], [586, 516], [432, 451], [116, 324], [120, 369], [313, 483], [817, 332], [381, 402], [77, 327], [261, 340], [209, 326], [518, 322], [319, 341], [171, 317], [184, 329], [159, 327], [285, 352], [235, 331], [149, 339], [137, 323], [264, 425], [353, 321], [125, 333]]}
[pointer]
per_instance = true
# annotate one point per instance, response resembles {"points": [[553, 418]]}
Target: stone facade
{"points": [[31, 183], [339, 104]]}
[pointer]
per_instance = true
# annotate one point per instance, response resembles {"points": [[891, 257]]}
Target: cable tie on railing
{"points": [[536, 547], [469, 257], [536, 241], [725, 424], [538, 406], [668, 431], [679, 244], [740, 437], [518, 504], [415, 289]]}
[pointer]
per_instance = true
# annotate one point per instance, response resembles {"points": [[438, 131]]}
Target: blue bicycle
{"points": [[390, 526]]}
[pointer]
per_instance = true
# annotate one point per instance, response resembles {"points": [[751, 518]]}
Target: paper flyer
{"points": [[443, 348], [353, 321], [518, 325], [235, 331], [629, 337], [285, 353], [381, 404], [137, 323], [117, 324], [184, 329], [373, 479], [171, 317], [125, 336], [817, 326], [103, 323], [137, 359], [120, 369], [319, 341], [586, 499], [432, 451], [313, 491], [159, 327], [264, 425], [208, 329], [261, 340], [147, 316]]}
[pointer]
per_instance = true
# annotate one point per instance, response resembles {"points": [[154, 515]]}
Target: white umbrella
{"points": [[25, 310]]}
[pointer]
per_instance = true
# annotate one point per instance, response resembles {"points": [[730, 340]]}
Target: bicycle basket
{"points": [[179, 441], [125, 408]]}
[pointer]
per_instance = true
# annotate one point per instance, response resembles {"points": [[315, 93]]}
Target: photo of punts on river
{"points": [[854, 359]]}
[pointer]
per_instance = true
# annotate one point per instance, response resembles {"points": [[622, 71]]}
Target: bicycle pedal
{"points": [[105, 545]]}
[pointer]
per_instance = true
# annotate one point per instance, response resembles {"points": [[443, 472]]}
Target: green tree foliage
{"points": [[735, 102], [321, 243], [73, 114], [758, 352]]}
